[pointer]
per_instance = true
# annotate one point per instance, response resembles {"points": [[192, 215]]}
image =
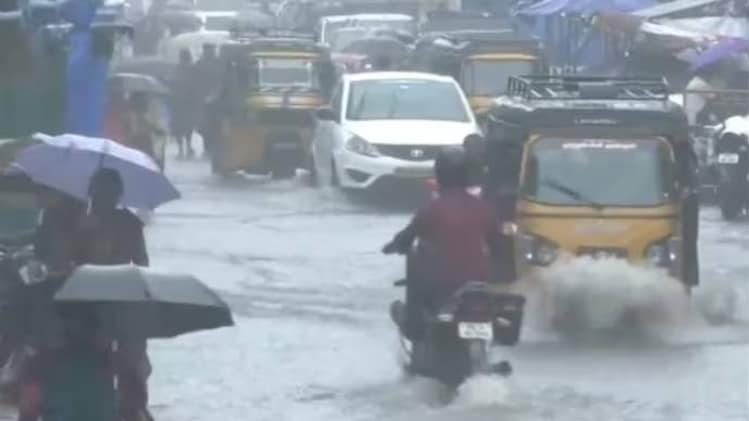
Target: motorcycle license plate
{"points": [[482, 331], [728, 158]]}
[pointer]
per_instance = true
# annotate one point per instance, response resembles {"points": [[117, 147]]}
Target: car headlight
{"points": [[538, 251], [358, 145]]}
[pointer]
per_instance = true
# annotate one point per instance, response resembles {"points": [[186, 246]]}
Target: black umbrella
{"points": [[154, 66], [136, 302], [135, 82]]}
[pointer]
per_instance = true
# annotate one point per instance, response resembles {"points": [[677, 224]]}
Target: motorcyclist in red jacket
{"points": [[457, 234]]}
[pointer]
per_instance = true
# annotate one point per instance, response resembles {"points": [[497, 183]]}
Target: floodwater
{"points": [[302, 272]]}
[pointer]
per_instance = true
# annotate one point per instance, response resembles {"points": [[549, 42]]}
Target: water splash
{"points": [[585, 295], [483, 390]]}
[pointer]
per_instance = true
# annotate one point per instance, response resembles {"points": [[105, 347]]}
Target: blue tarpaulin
{"points": [[724, 49], [569, 39], [86, 85], [551, 7]]}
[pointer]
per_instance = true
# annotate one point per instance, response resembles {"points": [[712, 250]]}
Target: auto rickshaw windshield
{"points": [[489, 77], [599, 172], [288, 72]]}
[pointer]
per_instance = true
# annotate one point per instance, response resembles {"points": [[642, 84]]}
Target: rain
{"points": [[291, 243]]}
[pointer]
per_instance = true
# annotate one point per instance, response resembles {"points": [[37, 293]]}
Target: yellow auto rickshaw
{"points": [[263, 118], [597, 167], [480, 60]]}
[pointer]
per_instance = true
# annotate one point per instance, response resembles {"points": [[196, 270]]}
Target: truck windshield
{"points": [[599, 172], [287, 72], [489, 77]]}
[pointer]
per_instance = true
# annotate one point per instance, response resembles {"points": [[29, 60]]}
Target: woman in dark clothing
{"points": [[186, 103]]}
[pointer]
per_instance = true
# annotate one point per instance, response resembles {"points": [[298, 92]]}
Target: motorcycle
{"points": [[732, 156], [451, 341]]}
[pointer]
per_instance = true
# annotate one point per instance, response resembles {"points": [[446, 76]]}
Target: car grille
{"points": [[602, 252], [409, 152]]}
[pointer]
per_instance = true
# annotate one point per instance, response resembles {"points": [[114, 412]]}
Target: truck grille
{"points": [[409, 152], [602, 252]]}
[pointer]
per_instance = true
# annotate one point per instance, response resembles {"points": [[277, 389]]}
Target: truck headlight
{"points": [[538, 251], [360, 146]]}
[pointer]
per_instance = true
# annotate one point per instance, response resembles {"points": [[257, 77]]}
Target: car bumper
{"points": [[357, 171]]}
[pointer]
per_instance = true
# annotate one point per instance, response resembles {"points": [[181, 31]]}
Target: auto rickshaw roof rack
{"points": [[539, 88]]}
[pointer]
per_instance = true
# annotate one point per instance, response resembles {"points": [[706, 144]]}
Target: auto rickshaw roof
{"points": [[575, 101]]}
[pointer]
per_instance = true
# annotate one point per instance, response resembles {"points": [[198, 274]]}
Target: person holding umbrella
{"points": [[109, 235]]}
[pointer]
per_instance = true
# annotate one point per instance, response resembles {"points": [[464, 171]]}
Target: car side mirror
{"points": [[326, 114]]}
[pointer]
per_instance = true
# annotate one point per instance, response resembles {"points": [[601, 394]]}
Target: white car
{"points": [[388, 126]]}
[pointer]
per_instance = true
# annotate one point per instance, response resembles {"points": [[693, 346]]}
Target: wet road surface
{"points": [[301, 269]]}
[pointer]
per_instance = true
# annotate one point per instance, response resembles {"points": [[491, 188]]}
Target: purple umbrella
{"points": [[723, 49], [66, 163]]}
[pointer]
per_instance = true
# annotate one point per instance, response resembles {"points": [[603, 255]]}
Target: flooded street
{"points": [[302, 271]]}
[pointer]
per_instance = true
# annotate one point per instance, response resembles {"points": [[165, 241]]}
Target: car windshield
{"points": [[489, 77], [599, 172], [345, 36], [405, 99], [287, 72], [220, 23]]}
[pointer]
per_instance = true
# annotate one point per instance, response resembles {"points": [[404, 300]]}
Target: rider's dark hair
{"points": [[451, 168]]}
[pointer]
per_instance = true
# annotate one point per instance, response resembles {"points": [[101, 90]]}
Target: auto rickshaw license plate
{"points": [[414, 172], [482, 331], [728, 158]]}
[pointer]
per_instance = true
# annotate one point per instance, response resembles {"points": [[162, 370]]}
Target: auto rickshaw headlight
{"points": [[360, 146], [663, 253], [538, 251]]}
